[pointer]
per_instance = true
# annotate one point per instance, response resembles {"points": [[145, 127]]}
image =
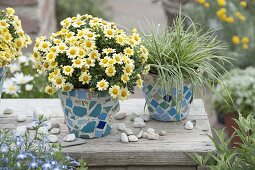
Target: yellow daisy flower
{"points": [[114, 91], [67, 87], [104, 62], [78, 63], [50, 56], [89, 62], [125, 78], [128, 69], [235, 40], [109, 32], [124, 94], [129, 51], [102, 85], [49, 90], [94, 54], [68, 70], [139, 83], [72, 52], [117, 58], [110, 71], [245, 40], [59, 81], [85, 78], [108, 51]]}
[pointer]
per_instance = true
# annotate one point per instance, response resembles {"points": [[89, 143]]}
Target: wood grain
{"points": [[169, 151]]}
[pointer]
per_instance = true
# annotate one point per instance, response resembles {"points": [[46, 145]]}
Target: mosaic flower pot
{"points": [[2, 76], [87, 114], [166, 107]]}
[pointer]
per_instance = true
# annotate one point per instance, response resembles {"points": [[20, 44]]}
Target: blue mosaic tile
{"points": [[89, 117], [101, 125], [162, 106], [82, 94], [69, 103], [79, 111], [102, 116], [97, 110], [90, 127], [99, 134]]}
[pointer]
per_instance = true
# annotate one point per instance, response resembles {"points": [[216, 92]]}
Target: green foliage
{"points": [[181, 53], [241, 91], [226, 158], [67, 8]]}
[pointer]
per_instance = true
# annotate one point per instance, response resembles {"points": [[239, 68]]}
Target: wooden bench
{"points": [[108, 153]]}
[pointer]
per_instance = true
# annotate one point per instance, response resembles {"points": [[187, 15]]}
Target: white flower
{"points": [[10, 87], [24, 60], [14, 67], [29, 87], [20, 78]]}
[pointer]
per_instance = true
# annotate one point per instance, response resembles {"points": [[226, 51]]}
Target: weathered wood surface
{"points": [[169, 151]]}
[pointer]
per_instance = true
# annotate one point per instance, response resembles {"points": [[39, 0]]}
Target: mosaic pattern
{"points": [[87, 114], [2, 75], [163, 106]]}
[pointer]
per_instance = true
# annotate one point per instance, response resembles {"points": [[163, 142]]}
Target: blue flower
{"points": [[4, 148]]}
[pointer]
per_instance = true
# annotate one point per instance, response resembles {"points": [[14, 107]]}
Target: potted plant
{"points": [[240, 85], [91, 64], [181, 60], [12, 40]]}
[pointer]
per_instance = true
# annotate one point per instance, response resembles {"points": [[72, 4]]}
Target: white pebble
{"points": [[150, 130], [55, 131], [8, 111], [39, 112], [120, 115], [138, 122], [152, 136], [121, 126], [53, 138], [132, 138], [21, 117], [145, 117], [162, 133], [43, 130], [124, 138], [128, 131], [189, 125], [134, 115], [48, 124], [139, 134], [20, 131], [145, 135], [70, 137]]}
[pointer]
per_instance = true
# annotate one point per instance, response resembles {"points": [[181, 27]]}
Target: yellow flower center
{"points": [[77, 62], [85, 78], [102, 84], [45, 45], [72, 51], [67, 88], [59, 81], [68, 69], [115, 91], [88, 44], [109, 32], [90, 35], [123, 93]]}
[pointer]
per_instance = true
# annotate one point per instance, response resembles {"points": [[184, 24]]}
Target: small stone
{"points": [[70, 137], [138, 122], [21, 117], [55, 131], [124, 138], [32, 125], [48, 124], [150, 130], [8, 111], [120, 115], [121, 126], [189, 125], [55, 125], [162, 133], [41, 112], [53, 138], [20, 131], [132, 138], [128, 131], [134, 115], [145, 117], [43, 130], [145, 135], [152, 136], [139, 134]]}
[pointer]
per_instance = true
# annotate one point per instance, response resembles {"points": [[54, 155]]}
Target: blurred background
{"points": [[232, 22]]}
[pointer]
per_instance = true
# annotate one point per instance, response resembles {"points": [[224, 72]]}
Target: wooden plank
{"points": [[168, 151], [146, 168]]}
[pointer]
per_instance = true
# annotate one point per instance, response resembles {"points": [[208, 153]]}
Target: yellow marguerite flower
{"points": [[114, 91], [221, 2], [125, 78], [89, 44], [102, 85], [89, 62], [104, 62], [50, 56], [49, 90], [78, 63], [109, 32], [72, 52], [136, 38], [235, 40], [139, 83], [108, 51], [58, 81], [10, 11], [68, 70], [44, 46], [245, 40], [61, 48], [85, 78], [201, 1], [129, 51], [117, 58], [67, 87], [245, 46], [120, 39], [94, 54], [110, 71], [207, 5], [124, 93], [243, 4]]}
